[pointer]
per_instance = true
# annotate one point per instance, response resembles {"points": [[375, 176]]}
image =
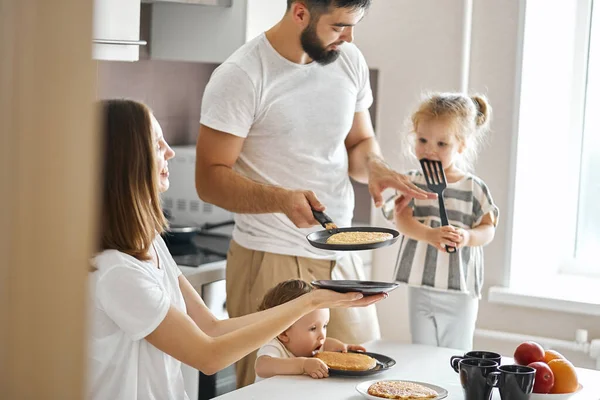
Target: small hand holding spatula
{"points": [[436, 182]]}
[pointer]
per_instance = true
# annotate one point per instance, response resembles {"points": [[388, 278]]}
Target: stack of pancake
{"points": [[401, 390], [358, 237], [347, 361]]}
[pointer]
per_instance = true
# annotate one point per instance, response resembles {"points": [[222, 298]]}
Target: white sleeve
{"points": [[365, 95], [229, 101], [133, 299], [483, 204], [271, 350]]}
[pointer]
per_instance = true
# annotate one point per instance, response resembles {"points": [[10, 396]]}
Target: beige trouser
{"points": [[250, 274]]}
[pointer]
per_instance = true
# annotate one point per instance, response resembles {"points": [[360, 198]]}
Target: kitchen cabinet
{"points": [[202, 33], [117, 30]]}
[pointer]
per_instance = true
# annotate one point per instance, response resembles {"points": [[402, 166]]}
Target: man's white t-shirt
{"points": [[130, 298], [274, 349], [295, 119]]}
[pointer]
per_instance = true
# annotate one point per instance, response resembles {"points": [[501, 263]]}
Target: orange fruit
{"points": [[565, 376], [550, 355]]}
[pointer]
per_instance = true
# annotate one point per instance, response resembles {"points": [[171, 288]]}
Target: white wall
{"points": [[262, 14], [417, 46]]}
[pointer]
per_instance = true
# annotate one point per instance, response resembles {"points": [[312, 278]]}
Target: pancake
{"points": [[358, 237], [401, 390], [347, 361]]}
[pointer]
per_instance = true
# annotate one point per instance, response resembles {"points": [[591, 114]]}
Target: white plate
{"points": [[363, 388], [556, 396]]}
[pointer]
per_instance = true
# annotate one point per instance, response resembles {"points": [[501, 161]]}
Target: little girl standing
{"points": [[444, 288]]}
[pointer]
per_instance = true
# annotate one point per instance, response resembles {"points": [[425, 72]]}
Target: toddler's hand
{"points": [[335, 345], [465, 237], [444, 236], [354, 347], [315, 368], [400, 204]]}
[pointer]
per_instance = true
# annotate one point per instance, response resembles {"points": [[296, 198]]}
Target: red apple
{"points": [[544, 377], [529, 352]]}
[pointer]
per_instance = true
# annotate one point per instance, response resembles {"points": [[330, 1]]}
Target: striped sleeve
{"points": [[483, 203]]}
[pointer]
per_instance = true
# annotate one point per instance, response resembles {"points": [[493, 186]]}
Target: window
{"points": [[587, 240], [556, 226]]}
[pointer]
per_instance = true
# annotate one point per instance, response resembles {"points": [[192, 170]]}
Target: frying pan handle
{"points": [[324, 220], [208, 226]]}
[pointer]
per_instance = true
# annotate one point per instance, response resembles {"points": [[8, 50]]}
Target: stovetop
{"points": [[202, 249]]}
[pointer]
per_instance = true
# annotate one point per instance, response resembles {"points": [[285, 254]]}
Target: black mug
{"points": [[473, 377], [515, 382], [487, 355]]}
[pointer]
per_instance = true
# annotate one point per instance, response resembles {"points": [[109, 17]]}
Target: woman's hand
{"points": [[324, 298], [315, 368], [443, 236]]}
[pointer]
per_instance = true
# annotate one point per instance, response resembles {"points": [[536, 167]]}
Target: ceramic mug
{"points": [[473, 374], [487, 355], [515, 382]]}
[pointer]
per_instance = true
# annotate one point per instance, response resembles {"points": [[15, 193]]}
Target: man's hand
{"points": [[382, 177], [297, 206]]}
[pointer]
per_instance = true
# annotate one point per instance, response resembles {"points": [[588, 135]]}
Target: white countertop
{"points": [[205, 273], [413, 362]]}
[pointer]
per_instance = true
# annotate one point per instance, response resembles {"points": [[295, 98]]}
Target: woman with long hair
{"points": [[146, 317]]}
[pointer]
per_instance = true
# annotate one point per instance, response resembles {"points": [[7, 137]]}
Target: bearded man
{"points": [[284, 126]]}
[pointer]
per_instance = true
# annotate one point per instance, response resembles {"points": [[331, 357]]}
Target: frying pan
{"points": [[319, 239], [185, 233]]}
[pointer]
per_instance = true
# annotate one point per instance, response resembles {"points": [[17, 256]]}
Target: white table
{"points": [[413, 362]]}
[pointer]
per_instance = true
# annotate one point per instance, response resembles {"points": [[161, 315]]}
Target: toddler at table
{"points": [[292, 351]]}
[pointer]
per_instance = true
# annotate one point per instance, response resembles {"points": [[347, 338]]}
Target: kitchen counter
{"points": [[205, 273], [413, 362]]}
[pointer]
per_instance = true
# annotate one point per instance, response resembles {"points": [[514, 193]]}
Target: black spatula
{"points": [[436, 182]]}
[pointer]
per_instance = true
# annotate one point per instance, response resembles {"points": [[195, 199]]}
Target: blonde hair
{"points": [[131, 209], [469, 115]]}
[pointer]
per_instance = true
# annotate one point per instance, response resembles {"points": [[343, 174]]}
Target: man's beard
{"points": [[312, 45]]}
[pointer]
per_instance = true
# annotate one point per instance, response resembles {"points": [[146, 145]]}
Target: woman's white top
{"points": [[129, 299]]}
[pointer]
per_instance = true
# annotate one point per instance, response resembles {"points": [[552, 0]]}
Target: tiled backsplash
{"points": [[173, 90]]}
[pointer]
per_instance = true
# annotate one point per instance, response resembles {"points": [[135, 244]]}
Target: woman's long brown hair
{"points": [[131, 211]]}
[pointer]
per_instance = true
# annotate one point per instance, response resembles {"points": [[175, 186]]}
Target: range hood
{"points": [[216, 3]]}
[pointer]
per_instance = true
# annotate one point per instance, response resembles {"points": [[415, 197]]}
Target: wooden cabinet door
{"points": [[48, 169]]}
